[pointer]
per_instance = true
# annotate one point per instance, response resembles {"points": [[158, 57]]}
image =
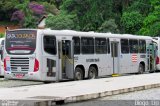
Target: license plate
{"points": [[19, 75]]}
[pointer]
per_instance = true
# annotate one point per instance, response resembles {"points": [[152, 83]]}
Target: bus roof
{"points": [[85, 34], [93, 34]]}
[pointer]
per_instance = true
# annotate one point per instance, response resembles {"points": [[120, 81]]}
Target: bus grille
{"points": [[22, 63]]}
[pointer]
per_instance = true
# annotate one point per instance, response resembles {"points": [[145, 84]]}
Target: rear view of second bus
{"points": [[1, 56], [157, 40]]}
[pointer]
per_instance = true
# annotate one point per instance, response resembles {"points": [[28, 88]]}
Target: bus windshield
{"points": [[20, 42]]}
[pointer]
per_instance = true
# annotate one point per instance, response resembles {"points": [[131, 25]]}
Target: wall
{"points": [[2, 28]]}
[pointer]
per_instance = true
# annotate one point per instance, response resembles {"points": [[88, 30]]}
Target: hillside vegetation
{"points": [[116, 16]]}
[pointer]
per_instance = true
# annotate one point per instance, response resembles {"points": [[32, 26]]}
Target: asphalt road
{"points": [[150, 97]]}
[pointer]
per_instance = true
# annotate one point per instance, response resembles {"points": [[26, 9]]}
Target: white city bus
{"points": [[53, 55], [1, 56]]}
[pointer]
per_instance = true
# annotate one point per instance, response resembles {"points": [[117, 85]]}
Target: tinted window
{"points": [[100, 45], [87, 45], [124, 46], [50, 44], [133, 46], [2, 43], [114, 49], [76, 44], [142, 46], [20, 42], [108, 46]]}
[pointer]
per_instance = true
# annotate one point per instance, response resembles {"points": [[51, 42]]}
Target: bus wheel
{"points": [[92, 74], [78, 74], [141, 69]]}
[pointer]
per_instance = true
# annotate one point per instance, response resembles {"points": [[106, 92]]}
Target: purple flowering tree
{"points": [[17, 16], [28, 13], [37, 8]]}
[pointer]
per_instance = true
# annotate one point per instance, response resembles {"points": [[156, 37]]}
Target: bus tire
{"points": [[78, 73], [152, 71], [140, 69], [92, 74]]}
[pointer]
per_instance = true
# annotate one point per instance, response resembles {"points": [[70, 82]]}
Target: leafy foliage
{"points": [[50, 8], [151, 23], [36, 8], [116, 16], [109, 26], [6, 5], [17, 15], [28, 13], [61, 21], [90, 13], [131, 22], [141, 6], [1, 35]]}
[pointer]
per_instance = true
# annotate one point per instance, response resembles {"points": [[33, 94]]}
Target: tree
{"points": [[28, 13], [128, 16], [141, 6], [109, 26], [151, 23], [7, 8], [133, 13], [132, 22], [61, 21], [90, 13], [50, 8]]}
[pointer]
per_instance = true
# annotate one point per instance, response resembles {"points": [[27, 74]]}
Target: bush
{"points": [[1, 35]]}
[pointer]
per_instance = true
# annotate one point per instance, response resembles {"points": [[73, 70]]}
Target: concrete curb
{"points": [[109, 93], [95, 95]]}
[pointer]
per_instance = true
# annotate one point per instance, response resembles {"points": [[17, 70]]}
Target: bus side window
{"points": [[76, 44], [100, 45], [142, 46], [66, 48], [87, 44], [133, 46], [2, 49], [124, 46], [50, 44]]}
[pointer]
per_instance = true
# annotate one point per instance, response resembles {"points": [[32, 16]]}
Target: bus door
{"points": [[151, 56], [66, 56], [115, 56]]}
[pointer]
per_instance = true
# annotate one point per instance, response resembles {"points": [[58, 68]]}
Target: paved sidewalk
{"points": [[81, 90]]}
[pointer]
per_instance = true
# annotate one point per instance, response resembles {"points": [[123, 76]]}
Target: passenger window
{"points": [[142, 46], [76, 44], [101, 45], [66, 48], [2, 49], [2, 43], [50, 44], [87, 45], [108, 46], [124, 46], [114, 49], [133, 46]]}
